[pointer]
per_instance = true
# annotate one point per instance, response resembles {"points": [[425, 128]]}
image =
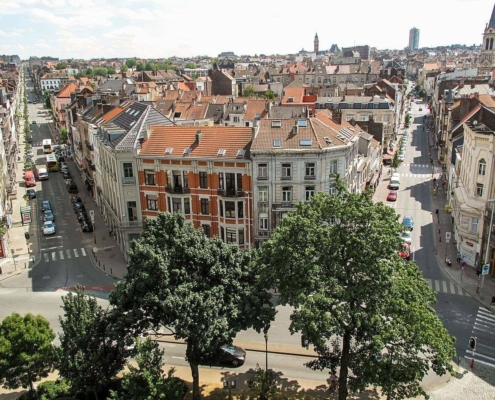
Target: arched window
{"points": [[482, 167], [491, 44], [487, 44]]}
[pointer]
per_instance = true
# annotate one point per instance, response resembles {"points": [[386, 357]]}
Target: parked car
{"points": [[71, 186], [66, 175], [79, 207], [63, 167], [231, 354], [61, 159], [30, 153], [86, 226], [81, 216], [406, 236], [46, 205], [48, 228], [31, 194], [49, 216], [75, 199], [392, 196], [408, 222], [33, 122]]}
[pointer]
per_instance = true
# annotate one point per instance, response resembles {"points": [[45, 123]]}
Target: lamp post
{"points": [[487, 246], [266, 352], [229, 385]]}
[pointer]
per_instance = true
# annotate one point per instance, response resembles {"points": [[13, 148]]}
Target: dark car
{"points": [[71, 186], [66, 175], [61, 159], [31, 194], [75, 199], [86, 226], [231, 354], [79, 207], [45, 205], [81, 216]]}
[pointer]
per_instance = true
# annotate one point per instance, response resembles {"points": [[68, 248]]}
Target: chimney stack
{"points": [[199, 136], [295, 128]]}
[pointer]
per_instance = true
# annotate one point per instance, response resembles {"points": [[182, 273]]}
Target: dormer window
{"points": [[276, 142], [276, 123], [187, 151], [169, 150], [221, 152]]}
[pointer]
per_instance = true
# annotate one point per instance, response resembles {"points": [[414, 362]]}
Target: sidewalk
{"points": [[465, 277], [105, 252]]}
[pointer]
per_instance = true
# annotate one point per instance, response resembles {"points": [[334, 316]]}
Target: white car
{"points": [[48, 228], [401, 157], [406, 237]]}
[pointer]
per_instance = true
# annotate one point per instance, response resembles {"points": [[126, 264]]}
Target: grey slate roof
{"points": [[115, 85], [281, 112]]}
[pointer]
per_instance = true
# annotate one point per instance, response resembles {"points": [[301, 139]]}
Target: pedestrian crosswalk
{"points": [[484, 332], [64, 254], [413, 165], [445, 287]]}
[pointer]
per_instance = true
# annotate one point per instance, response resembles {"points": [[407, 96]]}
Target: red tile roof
{"points": [[114, 112], [296, 93], [253, 108], [66, 91], [214, 138]]}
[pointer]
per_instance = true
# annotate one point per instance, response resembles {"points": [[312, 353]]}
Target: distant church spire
{"points": [[492, 19], [317, 43]]}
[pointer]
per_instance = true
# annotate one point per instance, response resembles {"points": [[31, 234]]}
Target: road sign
{"points": [[485, 270], [447, 237]]}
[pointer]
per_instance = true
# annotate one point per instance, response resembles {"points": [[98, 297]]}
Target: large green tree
{"points": [[26, 351], [366, 311], [89, 356], [131, 62], [248, 91], [202, 290]]}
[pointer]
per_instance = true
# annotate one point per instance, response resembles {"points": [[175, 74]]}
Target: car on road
{"points": [[408, 222], [46, 205], [86, 226], [66, 175], [231, 354], [48, 228], [392, 195], [29, 153], [82, 216], [75, 199], [64, 167], [33, 122], [420, 109], [71, 186], [405, 251], [401, 157], [79, 207], [406, 236], [31, 194], [49, 216]]}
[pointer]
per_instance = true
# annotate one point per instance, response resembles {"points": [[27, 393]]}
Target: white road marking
{"points": [[452, 288], [429, 284], [444, 284], [76, 254], [61, 254], [68, 253], [52, 248], [79, 276], [459, 290], [45, 255], [437, 285], [83, 252], [54, 256]]}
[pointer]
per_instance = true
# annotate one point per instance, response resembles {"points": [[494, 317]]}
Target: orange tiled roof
{"points": [[487, 100], [296, 93], [214, 138], [253, 108], [193, 110], [113, 113], [66, 91]]}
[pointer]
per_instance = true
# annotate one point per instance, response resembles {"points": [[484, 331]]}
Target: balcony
{"points": [[130, 224], [230, 192], [310, 177], [286, 178], [263, 233], [129, 180], [177, 189], [262, 177]]}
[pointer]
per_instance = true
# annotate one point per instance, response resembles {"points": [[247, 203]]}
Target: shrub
{"points": [[51, 390]]}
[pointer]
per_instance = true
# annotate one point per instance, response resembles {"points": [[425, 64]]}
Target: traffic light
{"points": [[26, 235], [472, 342]]}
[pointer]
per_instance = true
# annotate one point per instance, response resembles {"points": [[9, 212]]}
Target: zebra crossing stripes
{"points": [[61, 255], [445, 287], [484, 331], [418, 165]]}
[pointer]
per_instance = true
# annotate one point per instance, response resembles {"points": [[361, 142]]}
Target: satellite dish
{"points": [[475, 122]]}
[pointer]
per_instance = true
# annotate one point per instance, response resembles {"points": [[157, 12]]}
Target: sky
{"points": [[85, 29]]}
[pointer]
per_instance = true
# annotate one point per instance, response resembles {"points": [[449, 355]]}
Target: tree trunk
{"points": [[96, 394], [194, 371], [344, 366]]}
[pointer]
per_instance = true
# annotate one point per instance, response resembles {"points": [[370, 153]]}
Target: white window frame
{"points": [[474, 224], [482, 167], [286, 170], [464, 223], [479, 189], [263, 222], [287, 194], [263, 193], [334, 167], [309, 191], [311, 168]]}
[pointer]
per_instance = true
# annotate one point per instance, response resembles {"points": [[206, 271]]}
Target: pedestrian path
{"points": [[484, 332], [54, 255], [446, 287]]}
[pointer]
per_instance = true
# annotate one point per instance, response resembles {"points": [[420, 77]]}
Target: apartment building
{"points": [[202, 172]]}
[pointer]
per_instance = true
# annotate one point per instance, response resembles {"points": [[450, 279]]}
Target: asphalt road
{"points": [[456, 309]]}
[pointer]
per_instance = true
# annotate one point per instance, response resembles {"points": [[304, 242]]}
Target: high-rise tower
{"points": [[414, 39], [487, 56], [317, 43]]}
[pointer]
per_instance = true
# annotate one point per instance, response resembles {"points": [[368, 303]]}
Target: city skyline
{"points": [[89, 29]]}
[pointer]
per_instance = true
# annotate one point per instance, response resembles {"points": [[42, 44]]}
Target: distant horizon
{"points": [[91, 29]]}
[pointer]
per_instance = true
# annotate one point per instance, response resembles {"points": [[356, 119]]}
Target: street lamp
{"points": [[266, 352], [229, 385], [487, 245]]}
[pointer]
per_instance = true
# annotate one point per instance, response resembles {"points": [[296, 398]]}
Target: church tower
{"points": [[317, 43], [487, 56]]}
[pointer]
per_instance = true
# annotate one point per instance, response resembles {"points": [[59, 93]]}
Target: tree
{"points": [[89, 357], [396, 162], [100, 71], [124, 68], [263, 384], [363, 308], [63, 136], [140, 67], [74, 64], [147, 380], [269, 95], [111, 71], [88, 72], [248, 91], [190, 65], [61, 65], [47, 99], [26, 351], [131, 62], [199, 288]]}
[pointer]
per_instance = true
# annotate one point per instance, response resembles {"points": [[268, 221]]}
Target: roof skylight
{"points": [[221, 152]]}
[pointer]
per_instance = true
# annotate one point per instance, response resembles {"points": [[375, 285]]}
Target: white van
{"points": [[394, 182], [42, 173]]}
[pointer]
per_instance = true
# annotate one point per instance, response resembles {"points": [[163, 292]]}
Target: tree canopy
{"points": [[198, 288], [363, 308], [248, 91], [131, 62], [26, 351], [190, 65], [61, 65], [89, 356]]}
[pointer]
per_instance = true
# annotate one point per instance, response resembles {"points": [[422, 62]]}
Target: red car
{"points": [[405, 252], [392, 196]]}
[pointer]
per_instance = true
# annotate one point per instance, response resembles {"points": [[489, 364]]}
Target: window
{"points": [[310, 169], [474, 225], [237, 119], [241, 236], [187, 206], [128, 173], [220, 180], [240, 209], [205, 208], [464, 223], [152, 203], [206, 230], [310, 192], [231, 235], [222, 233], [230, 209], [287, 194], [263, 193], [286, 171], [203, 180], [262, 171], [220, 206], [239, 181], [332, 189], [176, 204], [263, 221], [482, 167], [333, 167], [479, 189], [149, 177]]}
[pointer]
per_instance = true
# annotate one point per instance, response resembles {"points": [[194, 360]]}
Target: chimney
{"points": [[473, 85], [461, 84], [337, 116], [464, 108], [295, 128], [199, 136]]}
